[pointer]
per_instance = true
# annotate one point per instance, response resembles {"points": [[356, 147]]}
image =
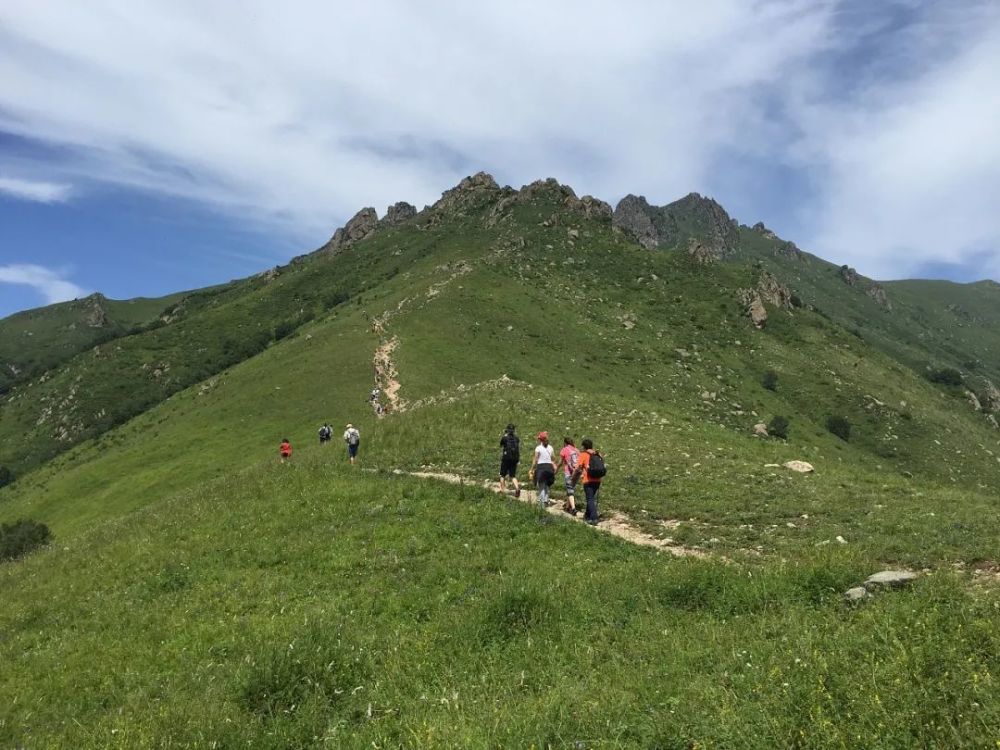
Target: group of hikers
{"points": [[352, 438], [582, 466]]}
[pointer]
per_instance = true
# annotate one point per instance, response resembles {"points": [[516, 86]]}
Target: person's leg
{"points": [[590, 489], [543, 490], [570, 492]]}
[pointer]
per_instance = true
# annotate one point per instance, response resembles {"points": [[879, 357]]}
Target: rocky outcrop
{"points": [[763, 231], [974, 401], [591, 208], [877, 292], [397, 213], [791, 251], [633, 216], [361, 226], [700, 253], [751, 300], [773, 291], [990, 396], [848, 275], [471, 191], [95, 316], [672, 225]]}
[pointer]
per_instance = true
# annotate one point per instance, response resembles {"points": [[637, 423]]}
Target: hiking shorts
{"points": [[352, 449], [545, 475], [508, 467], [569, 484]]}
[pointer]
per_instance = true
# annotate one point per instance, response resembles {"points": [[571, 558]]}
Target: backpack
{"points": [[595, 467], [353, 437], [324, 433], [512, 447]]}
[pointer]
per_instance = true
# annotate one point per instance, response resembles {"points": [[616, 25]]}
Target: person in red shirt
{"points": [[591, 484], [285, 450], [568, 458]]}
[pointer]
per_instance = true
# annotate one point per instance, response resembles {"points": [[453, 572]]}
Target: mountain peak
{"points": [[693, 216]]}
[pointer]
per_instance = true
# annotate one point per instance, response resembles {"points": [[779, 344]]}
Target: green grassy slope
{"points": [[37, 340], [307, 605], [930, 323]]}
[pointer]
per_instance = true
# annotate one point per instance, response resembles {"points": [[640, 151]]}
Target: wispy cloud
{"points": [[50, 284], [33, 190], [298, 115]]}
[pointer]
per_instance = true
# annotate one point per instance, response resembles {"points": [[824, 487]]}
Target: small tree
{"points": [[840, 427], [6, 476], [18, 539], [770, 380], [778, 427]]}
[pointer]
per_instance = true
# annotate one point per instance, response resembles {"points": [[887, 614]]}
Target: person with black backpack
{"points": [[325, 433], [510, 456], [591, 469]]}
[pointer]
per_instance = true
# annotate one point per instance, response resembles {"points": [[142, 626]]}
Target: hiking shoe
{"points": [[517, 492], [591, 522]]}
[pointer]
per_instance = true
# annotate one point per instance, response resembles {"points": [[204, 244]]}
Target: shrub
{"points": [[770, 380], [20, 538], [840, 427], [945, 376], [778, 427], [6, 476]]}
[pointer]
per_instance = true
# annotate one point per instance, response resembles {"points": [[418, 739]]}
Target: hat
{"points": [[349, 425], [543, 435]]}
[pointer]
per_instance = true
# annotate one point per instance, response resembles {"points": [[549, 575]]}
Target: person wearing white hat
{"points": [[353, 439]]}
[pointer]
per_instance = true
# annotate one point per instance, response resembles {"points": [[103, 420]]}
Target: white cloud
{"points": [[50, 284], [33, 190], [297, 114]]}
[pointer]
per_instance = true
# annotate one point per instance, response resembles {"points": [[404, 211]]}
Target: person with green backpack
{"points": [[590, 469]]}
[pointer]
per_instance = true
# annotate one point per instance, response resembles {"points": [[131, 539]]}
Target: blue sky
{"points": [[156, 146]]}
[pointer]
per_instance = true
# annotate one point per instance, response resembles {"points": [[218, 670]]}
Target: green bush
{"points": [[770, 380], [840, 427], [20, 538], [778, 427], [6, 476], [945, 376]]}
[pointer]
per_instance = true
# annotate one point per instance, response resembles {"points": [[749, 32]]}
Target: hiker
{"points": [[543, 468], [325, 433], [591, 470], [353, 439], [510, 456], [375, 394], [568, 458], [285, 450]]}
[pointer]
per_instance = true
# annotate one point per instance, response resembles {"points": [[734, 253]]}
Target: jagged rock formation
{"points": [[397, 213], [848, 275], [877, 292], [471, 190], [990, 396], [360, 226], [672, 224], [700, 253], [764, 231], [768, 289], [95, 315]]}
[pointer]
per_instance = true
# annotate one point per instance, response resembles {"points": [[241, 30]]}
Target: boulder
{"points": [[877, 292], [991, 396], [848, 275], [856, 595], [700, 253], [773, 291], [802, 467], [974, 401], [890, 579], [760, 430]]}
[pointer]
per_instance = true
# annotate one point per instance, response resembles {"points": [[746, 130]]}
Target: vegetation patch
{"points": [[22, 537]]}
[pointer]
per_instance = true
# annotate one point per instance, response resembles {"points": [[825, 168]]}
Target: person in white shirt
{"points": [[543, 468], [353, 439]]}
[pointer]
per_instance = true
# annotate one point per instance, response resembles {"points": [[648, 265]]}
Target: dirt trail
{"points": [[387, 378], [614, 523]]}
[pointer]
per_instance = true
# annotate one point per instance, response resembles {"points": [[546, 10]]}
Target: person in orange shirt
{"points": [[591, 470], [285, 450]]}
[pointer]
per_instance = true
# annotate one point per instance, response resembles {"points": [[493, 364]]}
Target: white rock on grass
{"points": [[890, 579], [856, 594], [800, 466]]}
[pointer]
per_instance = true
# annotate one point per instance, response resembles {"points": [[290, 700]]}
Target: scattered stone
{"points": [[760, 430], [802, 467], [840, 539], [890, 579], [856, 594]]}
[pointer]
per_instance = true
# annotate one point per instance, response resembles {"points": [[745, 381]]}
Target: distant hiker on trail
{"points": [[374, 397], [285, 450], [353, 439], [325, 433], [543, 468], [591, 470], [568, 458], [510, 456], [375, 394]]}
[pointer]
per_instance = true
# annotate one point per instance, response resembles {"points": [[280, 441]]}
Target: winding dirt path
{"points": [[387, 378], [613, 523]]}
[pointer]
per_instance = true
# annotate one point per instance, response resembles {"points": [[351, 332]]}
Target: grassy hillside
{"points": [[240, 597], [34, 341]]}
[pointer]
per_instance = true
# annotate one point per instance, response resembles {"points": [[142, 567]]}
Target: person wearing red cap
{"points": [[543, 468]]}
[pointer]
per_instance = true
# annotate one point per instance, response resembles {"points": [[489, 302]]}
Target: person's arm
{"points": [[534, 459]]}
